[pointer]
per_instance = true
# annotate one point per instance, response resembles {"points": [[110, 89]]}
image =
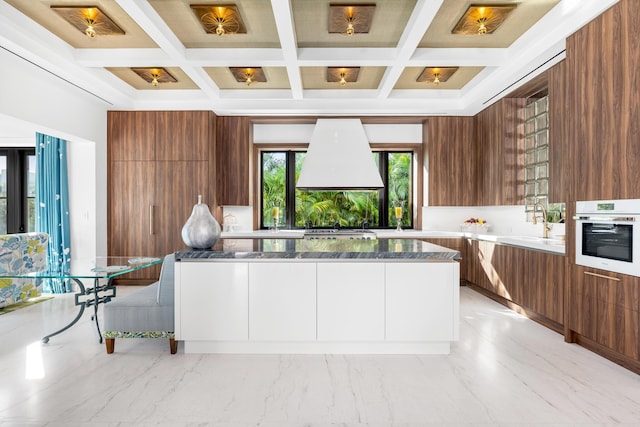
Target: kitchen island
{"points": [[391, 296]]}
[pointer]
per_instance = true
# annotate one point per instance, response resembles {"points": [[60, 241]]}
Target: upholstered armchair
{"points": [[145, 313], [21, 253]]}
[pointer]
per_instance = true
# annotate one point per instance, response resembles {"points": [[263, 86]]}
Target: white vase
{"points": [[201, 231]]}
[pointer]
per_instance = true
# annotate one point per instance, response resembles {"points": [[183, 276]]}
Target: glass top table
{"points": [[102, 271]]}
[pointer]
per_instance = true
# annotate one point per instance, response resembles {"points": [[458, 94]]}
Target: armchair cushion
{"points": [[21, 254]]}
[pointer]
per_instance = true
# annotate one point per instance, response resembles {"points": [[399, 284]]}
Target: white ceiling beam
{"points": [[152, 57], [419, 21], [322, 57], [155, 27], [29, 40], [461, 57], [287, 34], [235, 57]]}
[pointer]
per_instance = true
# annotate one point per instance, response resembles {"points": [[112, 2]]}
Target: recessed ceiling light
{"points": [[155, 76], [223, 19], [342, 75], [90, 20], [350, 19], [436, 75], [248, 75], [480, 19]]}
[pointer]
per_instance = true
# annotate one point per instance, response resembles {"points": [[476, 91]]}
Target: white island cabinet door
{"points": [[213, 300], [350, 301], [422, 301], [282, 301]]}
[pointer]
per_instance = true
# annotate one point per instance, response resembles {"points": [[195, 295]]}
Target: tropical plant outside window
{"points": [[299, 209]]}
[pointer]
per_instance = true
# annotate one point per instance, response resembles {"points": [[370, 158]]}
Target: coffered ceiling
{"points": [[290, 40]]}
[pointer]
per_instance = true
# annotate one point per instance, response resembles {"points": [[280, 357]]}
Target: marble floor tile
{"points": [[505, 371]]}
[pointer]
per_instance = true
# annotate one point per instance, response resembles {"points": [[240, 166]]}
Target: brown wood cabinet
{"points": [[233, 154], [158, 165], [500, 162], [456, 244], [543, 284], [606, 309], [452, 161], [529, 280]]}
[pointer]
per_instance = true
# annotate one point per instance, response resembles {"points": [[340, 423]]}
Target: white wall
{"points": [[60, 109]]}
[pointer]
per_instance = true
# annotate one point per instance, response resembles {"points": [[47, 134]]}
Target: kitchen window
{"points": [[536, 153], [17, 190], [325, 209]]}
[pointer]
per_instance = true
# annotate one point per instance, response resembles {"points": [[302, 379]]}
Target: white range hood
{"points": [[339, 158]]}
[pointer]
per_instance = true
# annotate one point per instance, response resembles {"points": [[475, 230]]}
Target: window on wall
{"points": [[326, 209], [536, 160], [17, 190], [536, 154]]}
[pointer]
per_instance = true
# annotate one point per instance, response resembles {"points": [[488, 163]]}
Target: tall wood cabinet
{"points": [[451, 159], [500, 161], [159, 162]]}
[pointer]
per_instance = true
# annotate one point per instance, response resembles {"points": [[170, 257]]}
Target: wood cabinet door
{"points": [[182, 135], [177, 185], [605, 308], [131, 135], [452, 161], [544, 283], [130, 192], [131, 187]]}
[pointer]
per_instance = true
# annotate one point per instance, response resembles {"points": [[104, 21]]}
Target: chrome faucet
{"points": [[545, 223]]}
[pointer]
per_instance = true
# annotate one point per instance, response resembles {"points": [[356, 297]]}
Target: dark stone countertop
{"points": [[381, 249]]}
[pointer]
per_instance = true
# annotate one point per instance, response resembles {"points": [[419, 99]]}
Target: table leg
{"points": [[78, 316]]}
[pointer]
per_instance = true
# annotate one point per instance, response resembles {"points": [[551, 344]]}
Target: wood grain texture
{"points": [[131, 135], [182, 135], [543, 283], [233, 154], [602, 64], [452, 161], [595, 114], [559, 137], [149, 199], [500, 157], [131, 187]]}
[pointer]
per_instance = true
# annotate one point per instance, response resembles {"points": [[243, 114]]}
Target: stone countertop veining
{"points": [[556, 246], [382, 249]]}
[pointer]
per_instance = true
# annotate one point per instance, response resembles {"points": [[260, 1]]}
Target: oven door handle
{"points": [[605, 218]]}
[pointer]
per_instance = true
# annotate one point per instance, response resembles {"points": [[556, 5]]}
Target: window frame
{"points": [[17, 187], [415, 176], [531, 200]]}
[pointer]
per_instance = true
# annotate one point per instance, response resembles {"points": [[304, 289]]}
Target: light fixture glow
{"points": [[350, 29], [89, 20], [343, 81], [482, 19], [90, 31], [248, 74], [155, 82], [436, 79], [221, 20]]}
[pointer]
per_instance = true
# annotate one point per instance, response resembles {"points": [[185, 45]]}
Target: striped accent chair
{"points": [[21, 253], [145, 313]]}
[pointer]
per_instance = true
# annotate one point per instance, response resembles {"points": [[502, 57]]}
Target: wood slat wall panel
{"points": [[452, 161]]}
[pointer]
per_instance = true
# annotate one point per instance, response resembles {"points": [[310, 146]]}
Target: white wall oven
{"points": [[607, 235]]}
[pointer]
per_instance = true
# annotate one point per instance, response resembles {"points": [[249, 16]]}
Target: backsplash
{"points": [[502, 220]]}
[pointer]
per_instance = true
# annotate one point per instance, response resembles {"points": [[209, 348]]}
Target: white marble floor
{"points": [[505, 371]]}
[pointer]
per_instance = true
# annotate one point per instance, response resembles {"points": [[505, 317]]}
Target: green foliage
{"points": [[325, 208]]}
